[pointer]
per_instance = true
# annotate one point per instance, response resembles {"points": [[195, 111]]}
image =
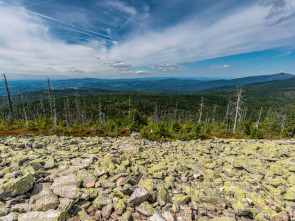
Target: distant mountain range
{"points": [[278, 89], [94, 86]]}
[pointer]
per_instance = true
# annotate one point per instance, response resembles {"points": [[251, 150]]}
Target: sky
{"points": [[146, 38]]}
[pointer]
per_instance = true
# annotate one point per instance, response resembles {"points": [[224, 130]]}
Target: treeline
{"points": [[157, 117]]}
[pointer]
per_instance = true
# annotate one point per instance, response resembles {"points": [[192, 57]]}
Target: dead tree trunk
{"points": [[43, 104], [259, 118], [54, 127], [283, 122], [9, 100], [239, 97], [24, 109], [201, 111]]}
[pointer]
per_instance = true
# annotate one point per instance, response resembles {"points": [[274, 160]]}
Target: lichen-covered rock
{"points": [[85, 177], [3, 209], [18, 186], [83, 216], [67, 180], [180, 199], [127, 217], [10, 217], [119, 206], [106, 211], [50, 163], [65, 204], [70, 192], [168, 216], [102, 200], [50, 215], [145, 209], [67, 187], [45, 200], [136, 179], [163, 196], [21, 208]]}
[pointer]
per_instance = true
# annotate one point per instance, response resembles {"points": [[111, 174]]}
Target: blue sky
{"points": [[147, 38]]}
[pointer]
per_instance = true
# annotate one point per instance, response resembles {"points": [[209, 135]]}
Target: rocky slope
{"points": [[66, 178]]}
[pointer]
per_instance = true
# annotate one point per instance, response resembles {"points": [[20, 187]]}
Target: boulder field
{"points": [[93, 178]]}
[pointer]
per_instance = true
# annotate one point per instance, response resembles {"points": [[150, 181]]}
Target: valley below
{"points": [[129, 178]]}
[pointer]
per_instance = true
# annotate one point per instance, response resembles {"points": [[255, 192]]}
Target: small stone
{"points": [[163, 196], [169, 216], [21, 208], [102, 200], [50, 163], [184, 179], [45, 200], [157, 217], [65, 204], [145, 209], [10, 217], [70, 192], [3, 209], [120, 181], [119, 206], [83, 216], [279, 217], [180, 199], [140, 195], [127, 217], [90, 184], [85, 177], [107, 211], [116, 177], [50, 215]]}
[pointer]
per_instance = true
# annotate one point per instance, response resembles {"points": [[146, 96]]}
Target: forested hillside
{"points": [[252, 111]]}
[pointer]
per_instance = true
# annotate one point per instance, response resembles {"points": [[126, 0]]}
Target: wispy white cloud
{"points": [[122, 7], [134, 73], [225, 66], [168, 67], [28, 46]]}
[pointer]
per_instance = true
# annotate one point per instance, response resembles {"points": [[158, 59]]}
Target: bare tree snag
{"points": [[227, 115], [9, 100], [201, 110], [43, 104], [24, 108], [54, 127], [239, 98], [259, 118]]}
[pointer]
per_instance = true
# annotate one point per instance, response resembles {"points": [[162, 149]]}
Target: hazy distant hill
{"points": [[281, 89], [148, 85]]}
